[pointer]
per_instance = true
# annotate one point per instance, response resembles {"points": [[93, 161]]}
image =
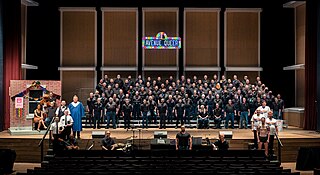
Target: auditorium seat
{"points": [[160, 162]]}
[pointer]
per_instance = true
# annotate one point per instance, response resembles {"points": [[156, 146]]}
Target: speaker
{"points": [[98, 134], [7, 159], [196, 140], [160, 134], [227, 134], [161, 144]]}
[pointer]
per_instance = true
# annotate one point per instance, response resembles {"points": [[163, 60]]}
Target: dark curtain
{"points": [[12, 50], [310, 118]]}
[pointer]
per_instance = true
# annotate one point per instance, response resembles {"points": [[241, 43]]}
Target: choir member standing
{"points": [[77, 111]]}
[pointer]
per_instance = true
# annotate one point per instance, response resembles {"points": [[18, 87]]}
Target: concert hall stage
{"points": [[26, 146]]}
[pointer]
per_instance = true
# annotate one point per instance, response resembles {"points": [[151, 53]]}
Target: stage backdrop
{"points": [[20, 120], [300, 22]]}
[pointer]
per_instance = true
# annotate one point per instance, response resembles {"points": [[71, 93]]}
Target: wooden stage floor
{"points": [[120, 133], [26, 146]]}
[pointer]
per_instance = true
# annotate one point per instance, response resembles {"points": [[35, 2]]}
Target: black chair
{"points": [[7, 159]]}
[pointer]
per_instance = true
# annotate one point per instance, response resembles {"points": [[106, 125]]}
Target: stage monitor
{"points": [[196, 140], [227, 134], [98, 134], [160, 134]]}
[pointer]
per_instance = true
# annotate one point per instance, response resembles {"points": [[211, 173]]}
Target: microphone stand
{"points": [[132, 137], [139, 137]]}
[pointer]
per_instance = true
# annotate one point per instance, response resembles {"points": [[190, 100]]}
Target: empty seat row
{"points": [[140, 162]]}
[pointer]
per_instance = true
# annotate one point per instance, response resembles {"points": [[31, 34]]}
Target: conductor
{"points": [[183, 140], [221, 144]]}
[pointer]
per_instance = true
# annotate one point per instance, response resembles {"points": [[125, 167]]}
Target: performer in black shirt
{"points": [[179, 111], [136, 101], [152, 108], [229, 112], [171, 104], [194, 107], [281, 105], [90, 105], [111, 108], [203, 120], [221, 144], [162, 112], [107, 143], [97, 113], [251, 100], [257, 103], [127, 113], [71, 143], [119, 81], [187, 106], [203, 101], [109, 92], [217, 114], [144, 108], [210, 103], [218, 100], [183, 140], [276, 108], [244, 111]]}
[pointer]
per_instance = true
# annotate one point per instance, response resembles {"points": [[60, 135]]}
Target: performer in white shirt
{"points": [[272, 123], [55, 132], [264, 109], [255, 121], [67, 122], [60, 110]]}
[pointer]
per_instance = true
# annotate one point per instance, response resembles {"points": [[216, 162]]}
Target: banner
{"points": [[18, 102], [161, 41]]}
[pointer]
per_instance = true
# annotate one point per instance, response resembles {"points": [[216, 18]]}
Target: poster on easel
{"points": [[18, 103]]}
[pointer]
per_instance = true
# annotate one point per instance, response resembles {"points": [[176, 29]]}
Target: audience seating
{"points": [[160, 162]]}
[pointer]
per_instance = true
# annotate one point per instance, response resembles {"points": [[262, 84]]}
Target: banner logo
{"points": [[161, 41]]}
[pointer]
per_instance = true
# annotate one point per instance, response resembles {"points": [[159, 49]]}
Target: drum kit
{"points": [[130, 142]]}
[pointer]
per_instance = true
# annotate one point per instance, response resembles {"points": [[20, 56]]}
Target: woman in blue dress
{"points": [[77, 111]]}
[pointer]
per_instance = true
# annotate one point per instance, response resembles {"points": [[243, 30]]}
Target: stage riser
{"points": [[138, 123], [28, 151]]}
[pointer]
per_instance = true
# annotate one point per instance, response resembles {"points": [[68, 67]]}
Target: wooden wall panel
{"points": [[120, 38], [77, 82], [201, 38], [160, 22], [251, 75], [79, 40], [300, 34], [300, 54], [300, 88], [242, 39]]}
